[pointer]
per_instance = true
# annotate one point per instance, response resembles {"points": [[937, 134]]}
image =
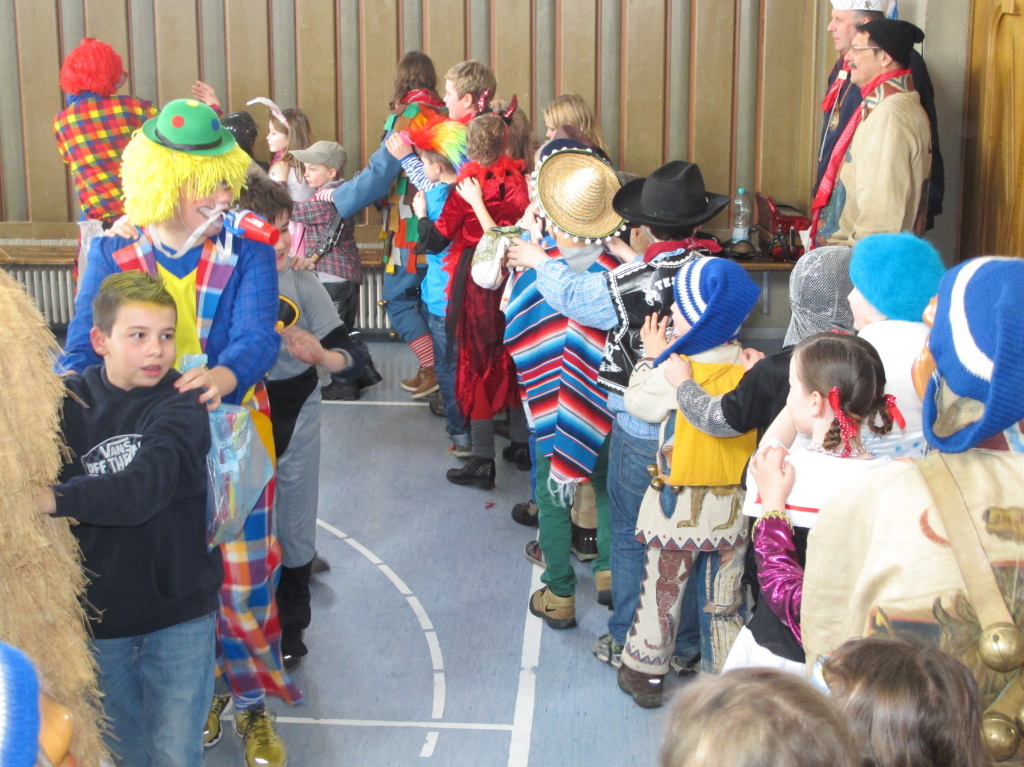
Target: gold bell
{"points": [[652, 469], [1001, 647], [1001, 736], [657, 483]]}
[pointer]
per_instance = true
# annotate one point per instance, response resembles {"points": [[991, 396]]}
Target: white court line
{"points": [[428, 747], [433, 645], [522, 722], [473, 726]]}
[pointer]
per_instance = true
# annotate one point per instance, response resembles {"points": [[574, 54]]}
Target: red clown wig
{"points": [[92, 66]]}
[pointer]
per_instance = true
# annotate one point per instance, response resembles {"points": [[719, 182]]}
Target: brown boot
{"points": [[646, 689], [422, 384]]}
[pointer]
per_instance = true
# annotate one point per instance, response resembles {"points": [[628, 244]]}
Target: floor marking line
{"points": [[522, 721], [393, 577], [428, 747], [439, 695], [417, 607], [433, 644], [472, 726], [371, 402]]}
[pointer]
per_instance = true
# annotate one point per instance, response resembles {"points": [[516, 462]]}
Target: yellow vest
{"points": [[698, 459], [186, 330]]}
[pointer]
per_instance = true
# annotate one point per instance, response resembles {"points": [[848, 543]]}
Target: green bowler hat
{"points": [[190, 126]]}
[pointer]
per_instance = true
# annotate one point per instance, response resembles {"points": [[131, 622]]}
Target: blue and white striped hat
{"points": [[977, 341], [715, 295], [19, 709]]}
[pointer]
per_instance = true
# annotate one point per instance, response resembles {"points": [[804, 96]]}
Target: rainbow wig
{"points": [[154, 177], [441, 135], [92, 66]]}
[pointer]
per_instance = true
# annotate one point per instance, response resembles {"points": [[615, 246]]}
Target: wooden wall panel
{"points": [[445, 35], [107, 20], [316, 66], [781, 166], [39, 67], [712, 109], [378, 52], [512, 54], [246, 29], [642, 101], [576, 63], [177, 48]]}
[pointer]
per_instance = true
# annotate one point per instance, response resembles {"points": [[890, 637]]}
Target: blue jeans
{"points": [[628, 480], [157, 690], [444, 366], [407, 312]]}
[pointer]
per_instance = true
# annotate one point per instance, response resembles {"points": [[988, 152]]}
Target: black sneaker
{"points": [[343, 391], [525, 513], [519, 454]]}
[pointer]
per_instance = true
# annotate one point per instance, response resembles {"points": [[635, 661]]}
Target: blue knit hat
{"points": [[978, 345], [897, 273], [19, 709], [715, 295]]}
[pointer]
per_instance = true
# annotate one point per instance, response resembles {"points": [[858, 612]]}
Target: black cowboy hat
{"points": [[673, 195]]}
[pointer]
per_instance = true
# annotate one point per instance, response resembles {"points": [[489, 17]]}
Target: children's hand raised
{"points": [[471, 192], [750, 357], [201, 378], [205, 93], [419, 204], [303, 345], [524, 254], [653, 335], [398, 146], [122, 227], [677, 370], [774, 477]]}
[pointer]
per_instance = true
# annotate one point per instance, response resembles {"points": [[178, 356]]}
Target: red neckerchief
{"points": [[828, 180], [422, 96], [837, 85], [690, 243]]}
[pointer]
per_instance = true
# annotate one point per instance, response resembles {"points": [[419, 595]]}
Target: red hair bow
{"points": [[847, 426], [894, 412]]}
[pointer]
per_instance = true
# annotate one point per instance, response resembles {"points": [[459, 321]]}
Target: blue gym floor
{"points": [[422, 649]]}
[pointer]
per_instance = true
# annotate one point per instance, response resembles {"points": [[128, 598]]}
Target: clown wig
{"points": [[443, 136], [153, 178], [92, 66]]}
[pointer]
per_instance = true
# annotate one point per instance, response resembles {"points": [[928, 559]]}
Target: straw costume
{"points": [[226, 290], [41, 578]]}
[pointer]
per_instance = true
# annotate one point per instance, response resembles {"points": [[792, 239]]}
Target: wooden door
{"points": [[993, 210]]}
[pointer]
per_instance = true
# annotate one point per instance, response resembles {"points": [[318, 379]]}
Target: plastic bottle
{"points": [[742, 215]]}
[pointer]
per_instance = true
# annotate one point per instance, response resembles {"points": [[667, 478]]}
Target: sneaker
{"points": [[603, 584], [340, 391], [584, 543], [534, 555], [213, 731], [646, 689], [525, 513], [423, 384], [263, 746], [462, 451], [476, 471], [558, 612], [519, 454], [607, 650], [684, 666]]}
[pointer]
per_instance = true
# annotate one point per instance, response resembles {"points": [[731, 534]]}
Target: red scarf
{"points": [[837, 85], [422, 96], [828, 180]]}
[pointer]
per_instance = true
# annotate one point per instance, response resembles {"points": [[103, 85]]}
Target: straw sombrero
{"points": [[575, 188]]}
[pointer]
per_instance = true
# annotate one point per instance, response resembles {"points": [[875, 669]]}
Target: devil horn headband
{"points": [[510, 110], [483, 101]]}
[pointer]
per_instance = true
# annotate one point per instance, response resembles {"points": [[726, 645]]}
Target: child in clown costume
{"points": [[180, 174]]}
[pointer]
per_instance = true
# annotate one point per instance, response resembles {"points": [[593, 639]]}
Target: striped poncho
{"points": [[557, 361]]}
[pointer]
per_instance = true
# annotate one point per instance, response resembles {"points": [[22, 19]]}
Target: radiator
{"points": [[53, 291], [372, 316], [51, 287]]}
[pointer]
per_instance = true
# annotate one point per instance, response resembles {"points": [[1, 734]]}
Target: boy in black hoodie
{"points": [[136, 484]]}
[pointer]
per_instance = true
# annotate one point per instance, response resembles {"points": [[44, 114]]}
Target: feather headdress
{"points": [[441, 135]]}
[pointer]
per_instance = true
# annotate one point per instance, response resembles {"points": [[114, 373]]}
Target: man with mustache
{"points": [[877, 178]]}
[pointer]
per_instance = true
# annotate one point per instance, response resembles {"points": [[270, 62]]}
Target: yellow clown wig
{"points": [[153, 177]]}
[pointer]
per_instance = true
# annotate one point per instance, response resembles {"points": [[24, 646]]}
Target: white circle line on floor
{"points": [[433, 645]]}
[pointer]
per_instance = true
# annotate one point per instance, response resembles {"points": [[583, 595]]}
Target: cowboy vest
{"points": [[638, 290]]}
